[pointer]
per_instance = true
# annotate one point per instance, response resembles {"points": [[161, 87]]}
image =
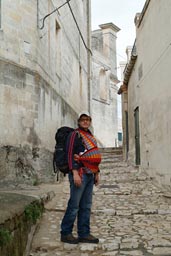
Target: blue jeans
{"points": [[79, 205]]}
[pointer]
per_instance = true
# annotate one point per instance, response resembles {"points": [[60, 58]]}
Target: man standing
{"points": [[83, 159]]}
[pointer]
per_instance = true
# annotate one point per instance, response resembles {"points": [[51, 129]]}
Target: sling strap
{"points": [[91, 158]]}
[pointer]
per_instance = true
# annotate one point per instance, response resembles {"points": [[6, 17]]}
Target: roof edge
{"points": [[143, 12], [130, 65], [110, 25], [129, 69]]}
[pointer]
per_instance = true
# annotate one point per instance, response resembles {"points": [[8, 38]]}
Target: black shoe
{"points": [[89, 239], [70, 239]]}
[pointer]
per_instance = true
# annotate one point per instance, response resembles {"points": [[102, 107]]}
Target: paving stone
{"points": [[132, 253], [88, 247], [162, 251], [159, 242], [129, 245], [129, 220], [110, 246], [70, 246], [110, 253]]}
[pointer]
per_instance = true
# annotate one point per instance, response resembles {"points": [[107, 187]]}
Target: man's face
{"points": [[84, 121]]}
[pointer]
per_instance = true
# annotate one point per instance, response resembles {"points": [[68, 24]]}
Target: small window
{"points": [[119, 136], [27, 47], [103, 85]]}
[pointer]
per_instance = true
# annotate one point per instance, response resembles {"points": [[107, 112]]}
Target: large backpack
{"points": [[60, 159]]}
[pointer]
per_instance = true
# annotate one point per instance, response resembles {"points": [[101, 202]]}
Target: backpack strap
{"points": [[70, 148]]}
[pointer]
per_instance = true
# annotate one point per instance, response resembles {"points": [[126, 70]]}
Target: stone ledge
{"points": [[12, 215]]}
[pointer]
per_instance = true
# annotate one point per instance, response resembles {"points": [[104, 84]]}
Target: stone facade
{"points": [[124, 103], [104, 85], [147, 78], [44, 77]]}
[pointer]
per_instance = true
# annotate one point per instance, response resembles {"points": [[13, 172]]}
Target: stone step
{"points": [[109, 156], [111, 160], [129, 215], [111, 150]]}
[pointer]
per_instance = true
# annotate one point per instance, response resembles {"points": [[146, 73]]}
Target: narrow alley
{"points": [[130, 215]]}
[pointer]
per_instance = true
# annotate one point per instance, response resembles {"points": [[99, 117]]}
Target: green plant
{"points": [[33, 212], [35, 183], [5, 236]]}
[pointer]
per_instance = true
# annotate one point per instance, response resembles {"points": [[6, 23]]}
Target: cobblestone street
{"points": [[130, 215]]}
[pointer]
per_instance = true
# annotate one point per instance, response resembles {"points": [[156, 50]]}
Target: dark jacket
{"points": [[74, 148]]}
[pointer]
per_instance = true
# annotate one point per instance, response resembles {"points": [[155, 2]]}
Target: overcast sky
{"points": [[122, 14]]}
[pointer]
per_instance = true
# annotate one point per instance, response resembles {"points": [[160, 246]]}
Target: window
{"points": [[27, 47], [119, 136], [103, 85]]}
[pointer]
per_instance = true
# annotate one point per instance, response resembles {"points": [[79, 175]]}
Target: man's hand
{"points": [[77, 178], [96, 179]]}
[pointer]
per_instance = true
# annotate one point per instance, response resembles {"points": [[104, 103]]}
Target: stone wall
{"points": [[104, 89], [30, 112], [149, 89], [25, 164], [18, 224], [43, 80]]}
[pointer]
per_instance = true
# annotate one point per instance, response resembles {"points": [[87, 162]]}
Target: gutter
{"points": [[128, 70]]}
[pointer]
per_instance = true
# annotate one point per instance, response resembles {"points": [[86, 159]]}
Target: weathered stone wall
{"points": [[149, 88], [104, 89], [31, 110], [18, 224], [25, 164], [43, 79]]}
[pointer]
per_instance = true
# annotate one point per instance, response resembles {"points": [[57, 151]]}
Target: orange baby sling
{"points": [[91, 158]]}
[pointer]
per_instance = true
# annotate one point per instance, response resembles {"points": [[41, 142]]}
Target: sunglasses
{"points": [[87, 119]]}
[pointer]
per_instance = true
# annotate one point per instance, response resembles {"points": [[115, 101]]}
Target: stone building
{"points": [[124, 102], [146, 93], [104, 85], [44, 81]]}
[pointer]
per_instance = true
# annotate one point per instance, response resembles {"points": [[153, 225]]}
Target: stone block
{"points": [[70, 247], [129, 245], [164, 211], [132, 253], [110, 246], [89, 247], [110, 253], [166, 251], [8, 81]]}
